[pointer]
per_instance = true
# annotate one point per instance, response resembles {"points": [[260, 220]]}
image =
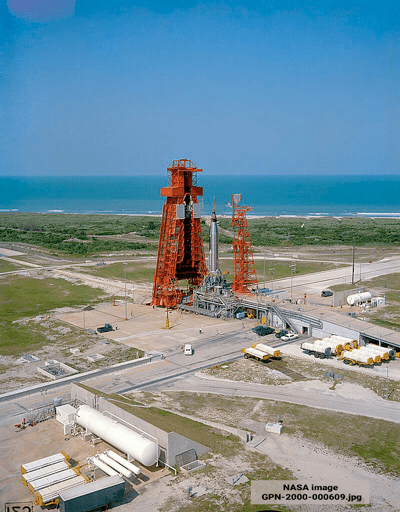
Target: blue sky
{"points": [[117, 87]]}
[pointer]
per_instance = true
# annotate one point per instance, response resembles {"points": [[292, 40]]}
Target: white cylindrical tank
{"points": [[358, 356], [123, 462], [315, 347], [322, 347], [382, 350], [114, 464], [138, 447], [268, 350], [346, 343], [334, 345], [372, 353], [357, 298], [307, 346], [109, 471]]}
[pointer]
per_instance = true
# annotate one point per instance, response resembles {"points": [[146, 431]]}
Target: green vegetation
{"points": [[281, 268], [7, 266], [22, 297], [92, 234], [79, 234], [389, 286], [357, 435], [171, 422], [138, 271], [286, 232], [246, 370]]}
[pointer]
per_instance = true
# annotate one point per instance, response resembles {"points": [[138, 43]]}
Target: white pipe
{"points": [[118, 467], [123, 462], [103, 466]]}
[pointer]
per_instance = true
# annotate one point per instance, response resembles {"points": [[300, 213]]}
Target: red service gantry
{"points": [[244, 271], [180, 248]]}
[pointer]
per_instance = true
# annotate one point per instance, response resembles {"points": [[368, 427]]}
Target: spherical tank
{"points": [[140, 448]]}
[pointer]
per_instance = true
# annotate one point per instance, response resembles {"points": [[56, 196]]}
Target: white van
{"points": [[188, 350]]}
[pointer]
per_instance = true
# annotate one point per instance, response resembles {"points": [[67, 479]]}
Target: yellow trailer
{"points": [[257, 354]]}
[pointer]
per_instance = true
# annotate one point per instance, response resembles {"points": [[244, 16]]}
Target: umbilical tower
{"points": [[180, 249], [244, 271]]}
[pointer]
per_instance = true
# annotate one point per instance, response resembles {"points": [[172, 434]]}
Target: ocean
{"points": [[266, 195]]}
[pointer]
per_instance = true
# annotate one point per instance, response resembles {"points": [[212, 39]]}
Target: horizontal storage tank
{"points": [[317, 348], [358, 298], [347, 343], [128, 441], [268, 350], [355, 355], [322, 347], [135, 470], [103, 466], [382, 350], [372, 353], [255, 353], [334, 345]]}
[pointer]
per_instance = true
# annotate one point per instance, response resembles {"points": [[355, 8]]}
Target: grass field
{"points": [[79, 235], [287, 232], [23, 297], [248, 370], [143, 271], [375, 441], [83, 235], [7, 266], [138, 271], [389, 287]]}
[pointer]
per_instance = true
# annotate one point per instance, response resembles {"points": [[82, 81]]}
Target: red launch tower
{"points": [[180, 249], [244, 271]]}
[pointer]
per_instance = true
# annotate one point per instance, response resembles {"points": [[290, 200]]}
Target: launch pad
{"points": [[181, 253]]}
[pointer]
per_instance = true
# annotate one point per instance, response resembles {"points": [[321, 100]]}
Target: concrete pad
{"points": [[145, 329]]}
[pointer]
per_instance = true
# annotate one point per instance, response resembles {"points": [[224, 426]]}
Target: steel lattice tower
{"points": [[180, 249], [244, 271]]}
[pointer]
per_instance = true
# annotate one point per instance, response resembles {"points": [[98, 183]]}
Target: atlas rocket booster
{"points": [[213, 263]]}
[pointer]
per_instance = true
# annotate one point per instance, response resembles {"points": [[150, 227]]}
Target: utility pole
{"points": [[264, 269], [126, 316], [387, 381], [292, 269], [272, 274]]}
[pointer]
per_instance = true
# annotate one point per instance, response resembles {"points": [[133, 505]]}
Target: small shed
{"points": [[65, 414], [275, 428]]}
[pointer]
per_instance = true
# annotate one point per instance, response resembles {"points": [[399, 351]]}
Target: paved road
{"points": [[295, 394], [314, 283], [208, 351], [176, 372]]}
